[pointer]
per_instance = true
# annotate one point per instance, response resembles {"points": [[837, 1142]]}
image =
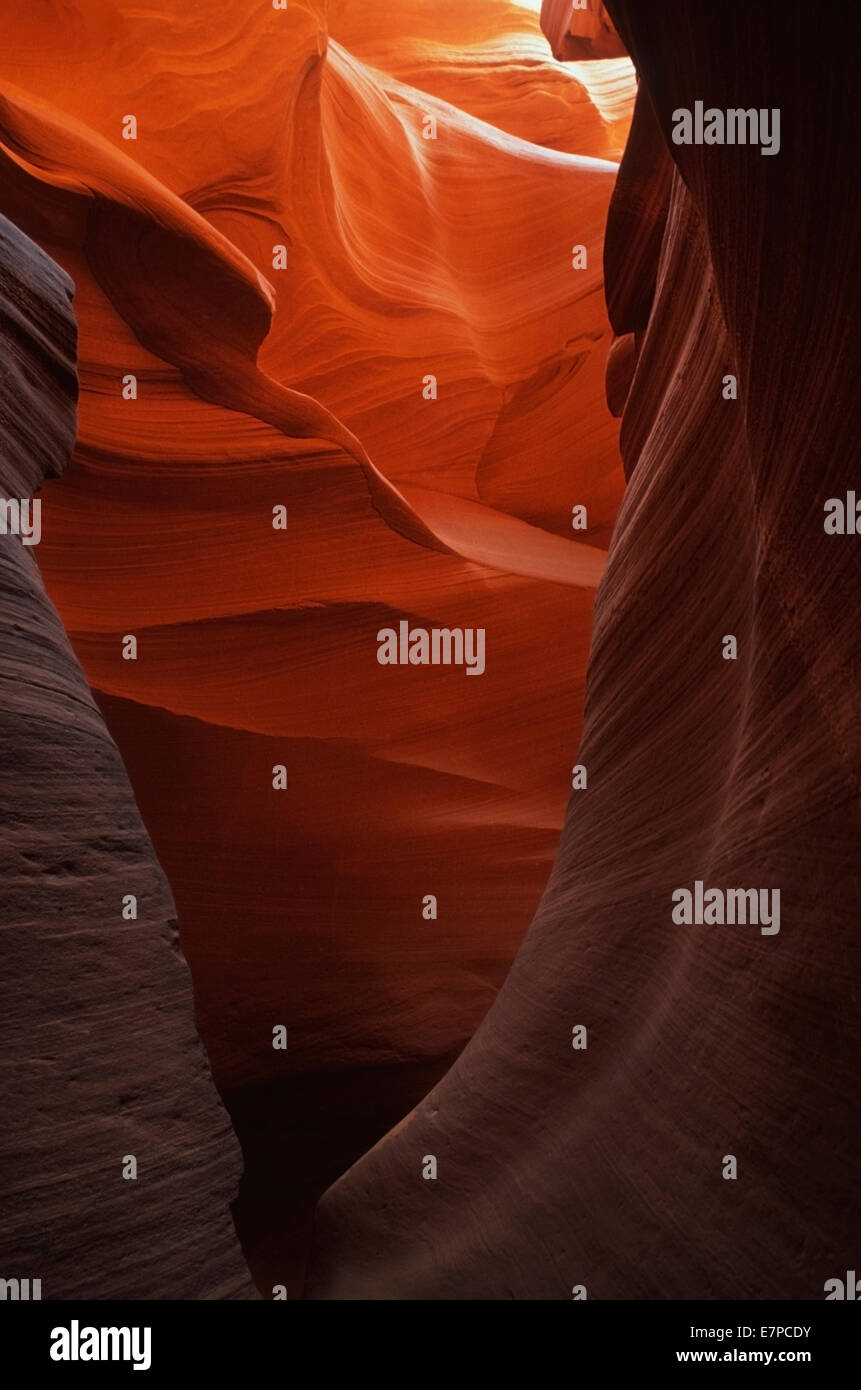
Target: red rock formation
{"points": [[604, 1167], [489, 58], [100, 1058], [259, 387]]}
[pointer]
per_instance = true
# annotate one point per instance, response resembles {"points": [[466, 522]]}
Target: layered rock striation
{"points": [[605, 1169]]}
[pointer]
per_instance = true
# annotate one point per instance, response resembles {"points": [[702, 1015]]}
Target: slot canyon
{"points": [[344, 318]]}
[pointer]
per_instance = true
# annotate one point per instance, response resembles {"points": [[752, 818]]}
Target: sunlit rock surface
{"points": [[405, 257]]}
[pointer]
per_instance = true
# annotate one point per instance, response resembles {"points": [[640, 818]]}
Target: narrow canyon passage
{"points": [[338, 372], [446, 444]]}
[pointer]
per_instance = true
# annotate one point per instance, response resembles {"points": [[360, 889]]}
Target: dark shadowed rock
{"points": [[99, 1058]]}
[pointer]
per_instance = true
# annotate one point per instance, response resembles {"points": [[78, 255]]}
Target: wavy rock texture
{"points": [[100, 1054], [603, 1167], [303, 387]]}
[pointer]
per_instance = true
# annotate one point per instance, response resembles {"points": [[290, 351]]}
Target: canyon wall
{"points": [[101, 1062], [603, 1169]]}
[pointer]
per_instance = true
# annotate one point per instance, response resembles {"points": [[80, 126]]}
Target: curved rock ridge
{"points": [[101, 1061], [702, 1144], [305, 387], [490, 58]]}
